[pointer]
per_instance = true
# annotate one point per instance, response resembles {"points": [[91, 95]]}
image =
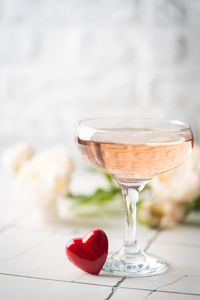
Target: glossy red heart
{"points": [[88, 253]]}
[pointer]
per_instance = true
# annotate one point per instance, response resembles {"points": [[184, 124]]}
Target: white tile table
{"points": [[33, 264]]}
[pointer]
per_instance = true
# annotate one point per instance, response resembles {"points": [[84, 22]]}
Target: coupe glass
{"points": [[133, 150]]}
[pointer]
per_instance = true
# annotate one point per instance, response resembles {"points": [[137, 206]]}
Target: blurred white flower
{"points": [[15, 156], [44, 178], [165, 203], [173, 213], [163, 214], [182, 184]]}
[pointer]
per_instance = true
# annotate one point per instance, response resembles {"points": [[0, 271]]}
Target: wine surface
{"points": [[135, 156]]}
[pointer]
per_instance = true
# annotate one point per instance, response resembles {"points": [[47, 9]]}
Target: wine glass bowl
{"points": [[133, 150]]}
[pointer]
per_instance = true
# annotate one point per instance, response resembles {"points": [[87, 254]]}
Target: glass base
{"points": [[133, 264]]}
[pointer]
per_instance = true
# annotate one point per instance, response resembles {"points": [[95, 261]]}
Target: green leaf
{"points": [[99, 196], [108, 177], [193, 205]]}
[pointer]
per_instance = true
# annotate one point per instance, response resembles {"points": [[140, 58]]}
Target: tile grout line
{"points": [[115, 288], [179, 293], [32, 277], [76, 279], [50, 279], [158, 291], [109, 297], [149, 294], [168, 284], [168, 292], [152, 240]]}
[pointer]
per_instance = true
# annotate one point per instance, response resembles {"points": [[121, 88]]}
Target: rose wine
{"points": [[137, 156]]}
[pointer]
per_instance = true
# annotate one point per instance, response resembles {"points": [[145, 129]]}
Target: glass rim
{"points": [[185, 126]]}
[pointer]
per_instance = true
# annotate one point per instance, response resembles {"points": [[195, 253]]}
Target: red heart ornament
{"points": [[90, 252]]}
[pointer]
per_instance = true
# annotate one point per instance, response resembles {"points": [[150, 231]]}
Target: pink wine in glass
{"points": [[131, 158], [133, 151]]}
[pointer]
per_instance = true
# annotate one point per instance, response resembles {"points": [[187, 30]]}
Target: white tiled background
{"points": [[63, 60], [33, 264]]}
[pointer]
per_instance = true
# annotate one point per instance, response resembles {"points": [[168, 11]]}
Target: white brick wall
{"points": [[63, 60]]}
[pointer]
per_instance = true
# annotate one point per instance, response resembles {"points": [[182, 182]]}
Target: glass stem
{"points": [[130, 195]]}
